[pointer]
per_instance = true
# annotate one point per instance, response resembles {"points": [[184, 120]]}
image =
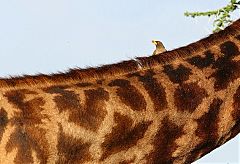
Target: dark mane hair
{"points": [[125, 66]]}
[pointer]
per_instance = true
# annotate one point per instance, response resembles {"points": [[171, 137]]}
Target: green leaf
{"points": [[223, 17]]}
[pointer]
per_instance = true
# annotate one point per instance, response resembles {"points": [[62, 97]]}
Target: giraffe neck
{"points": [[125, 67], [171, 108]]}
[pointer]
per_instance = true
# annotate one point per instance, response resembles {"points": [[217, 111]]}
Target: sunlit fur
{"points": [[170, 108]]}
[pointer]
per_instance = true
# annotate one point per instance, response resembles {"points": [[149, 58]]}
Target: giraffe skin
{"points": [[170, 108]]}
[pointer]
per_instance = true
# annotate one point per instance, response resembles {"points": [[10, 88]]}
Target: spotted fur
{"points": [[170, 108]]}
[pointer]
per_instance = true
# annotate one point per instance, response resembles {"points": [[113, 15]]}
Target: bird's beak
{"points": [[154, 42]]}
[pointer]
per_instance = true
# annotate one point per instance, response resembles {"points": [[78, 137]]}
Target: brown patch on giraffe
{"points": [[229, 49], [154, 89], [27, 135], [29, 110], [123, 136], [202, 62], [207, 131], [178, 75], [129, 95], [65, 100], [227, 70], [3, 122], [72, 150], [26, 139], [187, 97], [95, 108], [91, 114], [164, 142]]}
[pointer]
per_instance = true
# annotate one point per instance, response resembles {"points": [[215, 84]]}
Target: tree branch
{"points": [[223, 17]]}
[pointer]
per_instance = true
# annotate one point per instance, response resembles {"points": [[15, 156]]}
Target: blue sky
{"points": [[53, 35], [48, 36]]}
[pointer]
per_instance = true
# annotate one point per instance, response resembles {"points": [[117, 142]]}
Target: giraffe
{"points": [[170, 108]]}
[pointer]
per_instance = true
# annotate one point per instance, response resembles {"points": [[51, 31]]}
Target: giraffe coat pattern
{"points": [[174, 107]]}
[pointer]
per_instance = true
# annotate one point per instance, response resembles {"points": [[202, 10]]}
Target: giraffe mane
{"points": [[124, 67]]}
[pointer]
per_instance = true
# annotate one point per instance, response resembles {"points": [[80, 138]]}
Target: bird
{"points": [[159, 47]]}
